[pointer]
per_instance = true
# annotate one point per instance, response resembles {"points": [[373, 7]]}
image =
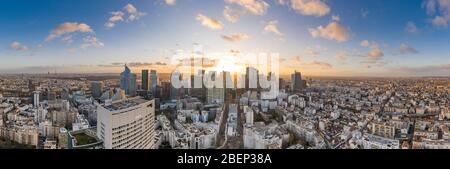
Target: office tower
{"points": [[36, 97], [125, 79], [128, 81], [176, 93], [296, 81], [96, 89], [127, 124], [165, 90], [251, 78], [31, 86], [133, 85], [145, 82], [154, 81]]}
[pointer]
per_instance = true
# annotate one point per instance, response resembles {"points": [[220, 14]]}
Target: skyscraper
{"points": [[36, 97], [96, 89], [133, 85], [296, 81], [127, 124], [145, 82], [154, 81], [176, 93], [128, 81], [251, 78]]}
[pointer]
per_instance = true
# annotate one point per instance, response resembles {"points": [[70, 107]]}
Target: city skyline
{"points": [[316, 37]]}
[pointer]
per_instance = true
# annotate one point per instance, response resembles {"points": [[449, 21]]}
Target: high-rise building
{"points": [[165, 90], [133, 85], [176, 93], [36, 97], [296, 81], [127, 124], [153, 81], [145, 82], [251, 78], [128, 81], [96, 89], [125, 79]]}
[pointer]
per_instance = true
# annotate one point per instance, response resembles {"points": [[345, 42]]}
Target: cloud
{"points": [[210, 22], [116, 17], [91, 41], [170, 2], [430, 6], [17, 46], [322, 65], [67, 28], [310, 7], [365, 43], [67, 39], [439, 10], [341, 56], [256, 7], [411, 28], [440, 21], [406, 49], [332, 31], [133, 14], [281, 2], [374, 54], [231, 14], [272, 27], [236, 37], [335, 18], [297, 59], [314, 51]]}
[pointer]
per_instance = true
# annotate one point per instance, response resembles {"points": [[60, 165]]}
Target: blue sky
{"points": [[317, 37]]}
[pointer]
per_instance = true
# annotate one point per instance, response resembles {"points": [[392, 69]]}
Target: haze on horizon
{"points": [[383, 38]]}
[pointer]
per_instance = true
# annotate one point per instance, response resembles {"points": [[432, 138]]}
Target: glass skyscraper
{"points": [[128, 82], [153, 81], [145, 82]]}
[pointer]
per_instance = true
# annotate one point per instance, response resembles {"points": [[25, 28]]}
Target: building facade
{"points": [[127, 124]]}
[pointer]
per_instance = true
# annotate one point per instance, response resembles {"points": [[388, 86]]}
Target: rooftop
{"points": [[84, 139], [126, 103]]}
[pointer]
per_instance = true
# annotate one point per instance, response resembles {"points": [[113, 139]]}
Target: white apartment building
{"points": [[260, 138], [127, 124], [370, 141]]}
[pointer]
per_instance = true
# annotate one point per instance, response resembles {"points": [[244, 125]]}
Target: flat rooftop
{"points": [[84, 139], [126, 103]]}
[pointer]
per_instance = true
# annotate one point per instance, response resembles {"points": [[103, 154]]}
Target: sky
{"points": [[315, 37]]}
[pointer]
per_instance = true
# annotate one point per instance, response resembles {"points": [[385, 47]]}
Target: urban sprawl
{"points": [[144, 111]]}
